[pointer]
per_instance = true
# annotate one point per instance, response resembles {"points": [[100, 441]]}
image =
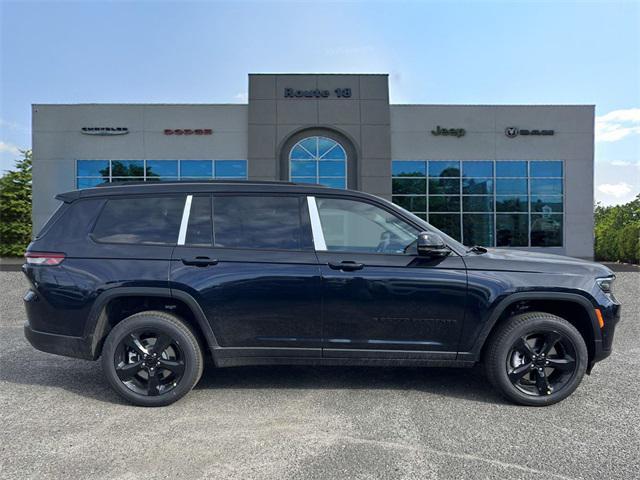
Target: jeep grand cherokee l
{"points": [[152, 277]]}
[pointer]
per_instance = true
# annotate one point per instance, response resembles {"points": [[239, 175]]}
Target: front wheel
{"points": [[536, 359], [152, 359]]}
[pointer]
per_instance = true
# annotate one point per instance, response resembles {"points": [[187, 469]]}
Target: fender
{"points": [[499, 309], [97, 321]]}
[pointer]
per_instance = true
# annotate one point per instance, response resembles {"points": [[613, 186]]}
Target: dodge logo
{"points": [[511, 132]]}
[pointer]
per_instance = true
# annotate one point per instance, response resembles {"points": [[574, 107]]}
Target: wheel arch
{"points": [[102, 319], [574, 308]]}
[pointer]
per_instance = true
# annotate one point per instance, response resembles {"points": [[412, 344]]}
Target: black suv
{"points": [[151, 277]]}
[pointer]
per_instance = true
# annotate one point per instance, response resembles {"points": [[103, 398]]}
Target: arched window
{"points": [[318, 160]]}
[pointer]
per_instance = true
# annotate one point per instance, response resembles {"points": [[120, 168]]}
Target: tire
{"points": [[518, 370], [140, 374]]}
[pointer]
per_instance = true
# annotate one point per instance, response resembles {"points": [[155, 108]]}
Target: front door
{"points": [[254, 273], [378, 294]]}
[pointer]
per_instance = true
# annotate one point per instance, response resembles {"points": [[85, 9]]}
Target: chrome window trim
{"points": [[316, 226], [182, 235]]}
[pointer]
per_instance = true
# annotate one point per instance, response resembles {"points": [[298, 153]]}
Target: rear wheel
{"points": [[152, 358], [536, 359]]}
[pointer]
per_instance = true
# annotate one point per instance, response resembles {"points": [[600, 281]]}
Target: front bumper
{"points": [[58, 344]]}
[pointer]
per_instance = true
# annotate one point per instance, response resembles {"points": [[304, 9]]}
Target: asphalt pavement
{"points": [[60, 420]]}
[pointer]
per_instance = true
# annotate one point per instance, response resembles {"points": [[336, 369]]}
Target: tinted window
{"points": [[258, 222], [200, 229], [140, 220]]}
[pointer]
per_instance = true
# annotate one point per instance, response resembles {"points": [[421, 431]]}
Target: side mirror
{"points": [[431, 245]]}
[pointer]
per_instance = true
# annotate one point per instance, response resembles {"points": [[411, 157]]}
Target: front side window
{"points": [[149, 220], [273, 223], [318, 160], [353, 226]]}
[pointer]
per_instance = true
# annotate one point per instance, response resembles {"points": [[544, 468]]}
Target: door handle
{"points": [[200, 261], [346, 266]]}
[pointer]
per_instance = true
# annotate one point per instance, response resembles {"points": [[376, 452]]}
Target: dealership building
{"points": [[516, 176]]}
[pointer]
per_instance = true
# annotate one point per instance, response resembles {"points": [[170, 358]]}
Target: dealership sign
{"points": [[316, 93], [188, 131], [451, 132], [513, 132], [104, 131]]}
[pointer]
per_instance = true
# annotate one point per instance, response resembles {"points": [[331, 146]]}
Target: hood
{"points": [[524, 261]]}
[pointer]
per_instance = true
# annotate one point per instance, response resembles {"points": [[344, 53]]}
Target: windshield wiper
{"points": [[477, 249]]}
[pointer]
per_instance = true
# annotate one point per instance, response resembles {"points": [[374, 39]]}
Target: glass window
{"points": [[512, 230], [150, 220], [231, 169], [258, 222], [89, 182], [127, 168], [546, 230], [409, 168], [448, 186], [318, 160], [162, 168], [546, 186], [478, 229], [417, 203], [511, 169], [448, 223], [477, 203], [511, 186], [196, 168], [546, 204], [512, 203], [409, 186], [546, 169], [477, 169], [444, 203], [477, 186], [200, 228], [92, 168], [446, 168], [352, 226]]}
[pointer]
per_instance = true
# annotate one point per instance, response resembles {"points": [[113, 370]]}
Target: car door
{"points": [[379, 297], [249, 262]]}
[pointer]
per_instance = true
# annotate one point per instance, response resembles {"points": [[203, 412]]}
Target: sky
{"points": [[501, 52]]}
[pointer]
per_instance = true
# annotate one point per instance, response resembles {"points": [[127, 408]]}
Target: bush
{"points": [[617, 232], [15, 208]]}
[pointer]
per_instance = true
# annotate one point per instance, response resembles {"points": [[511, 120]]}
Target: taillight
{"points": [[44, 258]]}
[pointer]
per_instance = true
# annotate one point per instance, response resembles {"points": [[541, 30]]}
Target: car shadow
{"points": [[27, 367]]}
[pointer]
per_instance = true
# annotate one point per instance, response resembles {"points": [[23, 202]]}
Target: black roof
{"points": [[200, 186]]}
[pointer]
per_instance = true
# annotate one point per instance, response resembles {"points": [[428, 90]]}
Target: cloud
{"points": [[617, 190], [9, 148], [243, 97], [616, 125], [625, 163]]}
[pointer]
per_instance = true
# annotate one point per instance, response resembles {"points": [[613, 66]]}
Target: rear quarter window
{"points": [[148, 220]]}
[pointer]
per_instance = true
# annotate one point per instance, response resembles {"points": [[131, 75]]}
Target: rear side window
{"points": [[200, 229], [259, 222], [149, 220]]}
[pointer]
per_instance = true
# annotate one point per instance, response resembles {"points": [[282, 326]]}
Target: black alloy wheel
{"points": [[149, 362], [535, 358], [152, 358], [541, 363]]}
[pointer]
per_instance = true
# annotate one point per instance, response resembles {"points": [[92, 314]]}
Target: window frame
{"points": [[317, 159]]}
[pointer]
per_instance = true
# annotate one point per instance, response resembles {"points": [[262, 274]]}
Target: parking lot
{"points": [[61, 420]]}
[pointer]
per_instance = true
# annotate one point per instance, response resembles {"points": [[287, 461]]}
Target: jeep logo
{"points": [[451, 132], [513, 132]]}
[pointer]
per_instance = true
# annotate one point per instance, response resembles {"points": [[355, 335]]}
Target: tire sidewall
{"points": [[539, 324], [156, 323]]}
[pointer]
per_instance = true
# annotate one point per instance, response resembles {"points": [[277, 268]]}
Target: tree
{"points": [[15, 207], [617, 232]]}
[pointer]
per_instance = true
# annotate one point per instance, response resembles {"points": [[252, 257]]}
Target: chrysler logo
{"points": [[105, 130], [513, 132]]}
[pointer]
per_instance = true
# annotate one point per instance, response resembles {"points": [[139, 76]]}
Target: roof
{"points": [[202, 186]]}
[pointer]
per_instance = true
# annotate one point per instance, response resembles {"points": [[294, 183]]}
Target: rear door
{"points": [[249, 262]]}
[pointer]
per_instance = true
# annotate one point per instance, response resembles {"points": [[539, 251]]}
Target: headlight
{"points": [[606, 284]]}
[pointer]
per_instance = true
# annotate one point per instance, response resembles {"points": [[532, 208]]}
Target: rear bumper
{"points": [[58, 344]]}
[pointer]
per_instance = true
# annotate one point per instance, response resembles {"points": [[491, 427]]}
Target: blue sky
{"points": [[453, 52]]}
